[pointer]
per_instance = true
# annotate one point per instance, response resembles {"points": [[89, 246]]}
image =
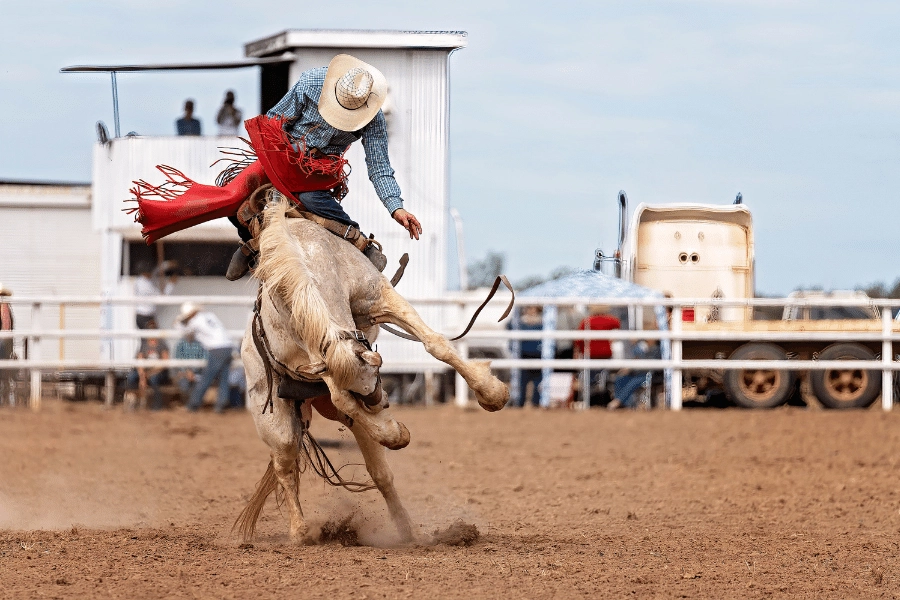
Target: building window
{"points": [[194, 259]]}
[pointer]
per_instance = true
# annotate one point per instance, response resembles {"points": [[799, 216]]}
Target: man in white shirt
{"points": [[206, 328], [229, 117], [146, 286]]}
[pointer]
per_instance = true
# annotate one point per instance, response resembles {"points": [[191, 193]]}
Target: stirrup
{"points": [[374, 254]]}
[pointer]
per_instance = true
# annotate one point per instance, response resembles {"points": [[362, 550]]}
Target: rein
{"points": [[500, 279]]}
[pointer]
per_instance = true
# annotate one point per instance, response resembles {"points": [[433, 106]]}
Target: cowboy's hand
{"points": [[409, 222]]}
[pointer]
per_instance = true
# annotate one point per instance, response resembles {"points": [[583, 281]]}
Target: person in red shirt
{"points": [[597, 321]]}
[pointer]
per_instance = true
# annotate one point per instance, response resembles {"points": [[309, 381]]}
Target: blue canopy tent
{"points": [[600, 288]]}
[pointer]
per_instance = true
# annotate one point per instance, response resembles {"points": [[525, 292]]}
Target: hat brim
{"points": [[331, 110], [187, 316]]}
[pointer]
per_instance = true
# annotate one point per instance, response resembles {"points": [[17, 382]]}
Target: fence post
{"points": [[887, 357], [462, 388], [430, 390], [34, 400], [676, 358], [110, 389]]}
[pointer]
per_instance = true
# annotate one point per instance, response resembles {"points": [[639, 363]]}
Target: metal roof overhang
{"points": [[285, 57], [355, 38], [201, 66]]}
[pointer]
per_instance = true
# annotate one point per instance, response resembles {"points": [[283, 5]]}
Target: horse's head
{"points": [[356, 368]]}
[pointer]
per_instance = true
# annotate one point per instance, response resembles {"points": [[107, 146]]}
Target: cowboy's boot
{"points": [[241, 261]]}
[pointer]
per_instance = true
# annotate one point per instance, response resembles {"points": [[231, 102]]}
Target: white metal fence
{"points": [[675, 365]]}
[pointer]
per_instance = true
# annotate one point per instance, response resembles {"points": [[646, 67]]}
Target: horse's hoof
{"points": [[298, 534], [401, 440], [494, 402]]}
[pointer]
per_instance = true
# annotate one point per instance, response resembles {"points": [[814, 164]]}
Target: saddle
{"points": [[249, 215]]}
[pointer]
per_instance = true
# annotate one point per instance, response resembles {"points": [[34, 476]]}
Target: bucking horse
{"points": [[319, 308]]}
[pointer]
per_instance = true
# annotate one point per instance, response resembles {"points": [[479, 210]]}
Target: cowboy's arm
{"points": [[375, 143], [296, 101]]}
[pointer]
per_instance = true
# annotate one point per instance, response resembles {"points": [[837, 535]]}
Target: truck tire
{"points": [[758, 388], [850, 388]]}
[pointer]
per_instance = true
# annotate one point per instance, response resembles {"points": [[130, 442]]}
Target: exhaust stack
{"points": [[623, 216]]}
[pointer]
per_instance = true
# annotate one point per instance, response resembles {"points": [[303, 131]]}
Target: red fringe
{"points": [[179, 202], [276, 139]]}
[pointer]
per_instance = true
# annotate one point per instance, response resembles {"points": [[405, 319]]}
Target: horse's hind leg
{"points": [[491, 393], [381, 474]]}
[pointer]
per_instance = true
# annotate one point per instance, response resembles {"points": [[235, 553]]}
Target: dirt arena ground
{"points": [[700, 504]]}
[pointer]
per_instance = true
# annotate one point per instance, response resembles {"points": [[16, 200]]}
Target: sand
{"points": [[534, 504]]}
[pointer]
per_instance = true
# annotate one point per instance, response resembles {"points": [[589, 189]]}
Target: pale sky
{"points": [[555, 106]]}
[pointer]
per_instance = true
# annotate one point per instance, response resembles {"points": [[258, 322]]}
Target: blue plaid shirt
{"points": [[300, 107]]}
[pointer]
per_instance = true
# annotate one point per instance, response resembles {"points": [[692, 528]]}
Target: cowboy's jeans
{"points": [[218, 363], [322, 203]]}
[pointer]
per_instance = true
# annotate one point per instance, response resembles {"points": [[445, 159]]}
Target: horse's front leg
{"points": [[379, 424], [280, 429], [376, 464], [491, 393]]}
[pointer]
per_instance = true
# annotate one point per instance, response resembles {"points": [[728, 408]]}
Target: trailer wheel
{"points": [[846, 388], [758, 388]]}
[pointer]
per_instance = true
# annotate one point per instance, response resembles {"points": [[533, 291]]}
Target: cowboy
{"points": [[203, 326], [328, 109]]}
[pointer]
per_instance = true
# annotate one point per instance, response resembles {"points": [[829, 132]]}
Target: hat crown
{"points": [[188, 309], [353, 88]]}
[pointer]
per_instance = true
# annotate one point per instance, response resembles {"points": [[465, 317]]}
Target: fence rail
{"points": [[883, 330]]}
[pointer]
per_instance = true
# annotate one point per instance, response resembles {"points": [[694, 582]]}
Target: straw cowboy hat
{"points": [[5, 291], [188, 310], [352, 94]]}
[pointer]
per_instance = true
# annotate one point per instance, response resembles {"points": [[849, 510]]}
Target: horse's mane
{"points": [[284, 270]]}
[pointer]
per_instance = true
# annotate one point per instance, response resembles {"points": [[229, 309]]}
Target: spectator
{"points": [[531, 320], [153, 377], [186, 378], [628, 382], [568, 319], [147, 285], [206, 328], [229, 117], [237, 384], [6, 324], [7, 378], [598, 320], [188, 125]]}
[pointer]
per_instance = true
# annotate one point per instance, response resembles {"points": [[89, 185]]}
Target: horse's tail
{"points": [[284, 269], [246, 521]]}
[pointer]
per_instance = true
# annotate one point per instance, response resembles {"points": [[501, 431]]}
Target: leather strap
{"points": [[500, 279], [342, 230]]}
